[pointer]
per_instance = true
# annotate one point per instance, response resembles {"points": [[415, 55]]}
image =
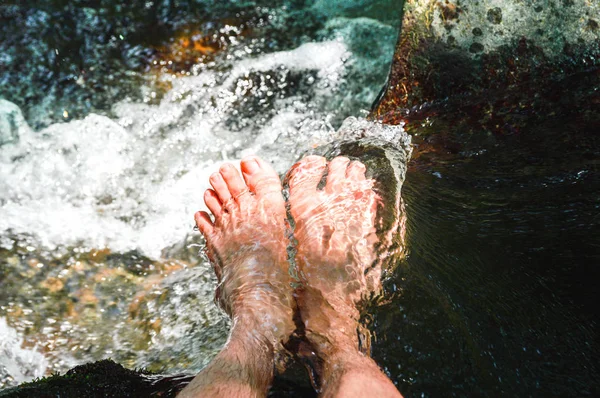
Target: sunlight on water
{"points": [[96, 214]]}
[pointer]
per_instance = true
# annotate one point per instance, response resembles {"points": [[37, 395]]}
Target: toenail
{"points": [[251, 165], [215, 176], [226, 167]]}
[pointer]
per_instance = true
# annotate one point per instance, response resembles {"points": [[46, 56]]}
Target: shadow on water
{"points": [[498, 293]]}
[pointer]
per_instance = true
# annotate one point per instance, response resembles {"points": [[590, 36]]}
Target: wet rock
{"points": [[12, 123], [109, 379], [518, 44], [494, 15], [371, 44], [100, 379], [61, 61]]}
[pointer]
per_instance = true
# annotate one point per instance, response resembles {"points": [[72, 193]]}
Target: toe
{"points": [[306, 174], [337, 173], [204, 223], [356, 171], [261, 178], [220, 187], [213, 203], [232, 178]]}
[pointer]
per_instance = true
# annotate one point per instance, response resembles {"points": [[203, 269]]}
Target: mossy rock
{"points": [[100, 379], [107, 378]]}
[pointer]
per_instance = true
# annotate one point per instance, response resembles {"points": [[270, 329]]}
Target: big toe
{"points": [[305, 175], [262, 180], [303, 180], [337, 173]]}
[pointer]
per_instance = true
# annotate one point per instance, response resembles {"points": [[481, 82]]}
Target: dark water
{"points": [[498, 293]]}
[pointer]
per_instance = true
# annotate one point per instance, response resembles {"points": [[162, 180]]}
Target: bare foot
{"points": [[247, 246], [335, 231]]}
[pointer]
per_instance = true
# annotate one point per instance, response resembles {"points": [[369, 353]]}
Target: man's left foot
{"points": [[336, 257], [247, 246]]}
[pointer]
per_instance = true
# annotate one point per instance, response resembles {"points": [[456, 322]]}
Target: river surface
{"points": [[109, 140]]}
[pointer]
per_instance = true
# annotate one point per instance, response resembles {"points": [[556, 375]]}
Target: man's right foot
{"points": [[336, 238]]}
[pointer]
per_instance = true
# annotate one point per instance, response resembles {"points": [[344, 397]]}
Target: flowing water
{"points": [[99, 258], [106, 148]]}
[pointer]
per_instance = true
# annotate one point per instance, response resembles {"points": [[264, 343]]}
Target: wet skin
{"points": [[336, 234], [247, 242], [335, 231]]}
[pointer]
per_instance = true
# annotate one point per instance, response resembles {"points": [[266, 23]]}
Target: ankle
{"points": [[268, 322], [328, 329], [244, 367]]}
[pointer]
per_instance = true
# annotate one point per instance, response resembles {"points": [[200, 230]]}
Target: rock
{"points": [[100, 379], [109, 379], [12, 123], [371, 44], [453, 49]]}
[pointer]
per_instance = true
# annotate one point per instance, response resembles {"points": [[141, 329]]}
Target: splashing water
{"points": [[96, 214], [18, 364], [136, 180]]}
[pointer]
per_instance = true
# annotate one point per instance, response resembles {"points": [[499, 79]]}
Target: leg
{"points": [[335, 230], [247, 247]]}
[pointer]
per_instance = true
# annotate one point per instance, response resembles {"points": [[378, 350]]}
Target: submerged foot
{"points": [[336, 235], [247, 246]]}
